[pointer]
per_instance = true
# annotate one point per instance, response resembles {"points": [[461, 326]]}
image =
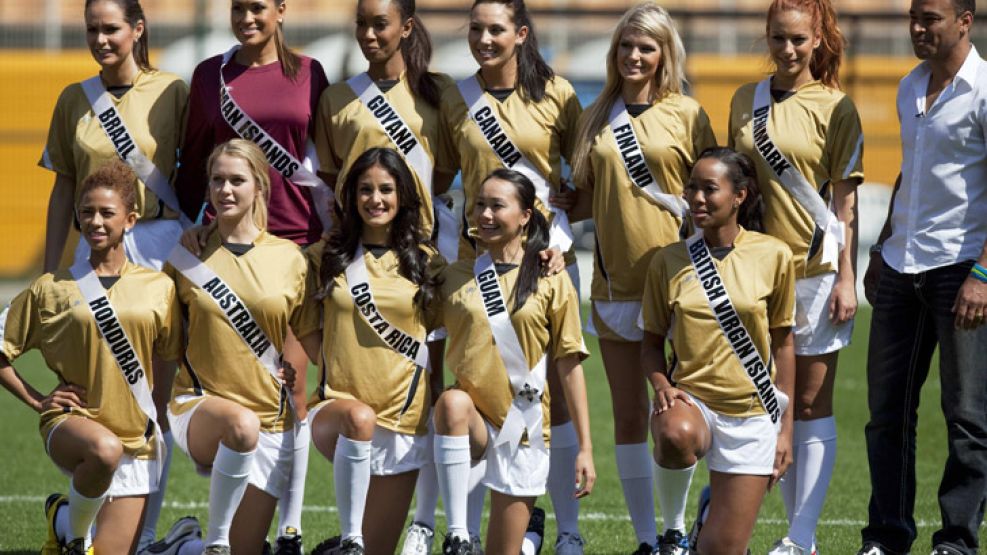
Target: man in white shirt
{"points": [[928, 285]]}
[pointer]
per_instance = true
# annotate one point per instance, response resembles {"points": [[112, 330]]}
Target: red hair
{"points": [[827, 57]]}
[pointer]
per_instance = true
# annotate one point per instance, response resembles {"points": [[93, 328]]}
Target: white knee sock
{"points": [[290, 503], [529, 545], [82, 514], [452, 466], [815, 459], [426, 495], [673, 492], [227, 483], [351, 475], [562, 477], [477, 496], [62, 527], [154, 500], [634, 468]]}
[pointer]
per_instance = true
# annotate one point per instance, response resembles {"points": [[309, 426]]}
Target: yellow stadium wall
{"points": [[30, 82]]}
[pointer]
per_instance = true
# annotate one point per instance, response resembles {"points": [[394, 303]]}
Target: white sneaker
{"points": [[569, 544], [785, 546], [418, 540], [183, 530]]}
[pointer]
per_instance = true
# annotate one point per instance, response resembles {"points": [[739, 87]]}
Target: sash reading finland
{"points": [[120, 346], [773, 401], [525, 412], [792, 179], [126, 147], [234, 310], [560, 234], [403, 343], [410, 146], [297, 171]]}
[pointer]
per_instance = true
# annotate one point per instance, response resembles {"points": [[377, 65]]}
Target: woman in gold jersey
{"points": [[97, 326], [805, 136], [724, 299]]}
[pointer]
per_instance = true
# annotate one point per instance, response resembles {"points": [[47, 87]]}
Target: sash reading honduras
{"points": [[560, 234], [636, 165], [773, 401], [791, 179], [120, 347], [291, 168], [232, 307], [528, 386], [126, 148], [410, 146]]}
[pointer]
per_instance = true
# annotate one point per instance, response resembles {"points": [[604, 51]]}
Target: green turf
{"points": [[29, 476]]}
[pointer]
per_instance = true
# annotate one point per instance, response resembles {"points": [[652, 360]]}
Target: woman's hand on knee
{"points": [[65, 397], [665, 398]]}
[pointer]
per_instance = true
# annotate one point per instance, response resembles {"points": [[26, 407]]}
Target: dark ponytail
{"points": [[290, 62], [742, 173], [533, 72], [417, 53], [536, 235], [133, 13]]}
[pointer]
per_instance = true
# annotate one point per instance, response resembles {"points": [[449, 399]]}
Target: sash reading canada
{"points": [[732, 326], [525, 412]]}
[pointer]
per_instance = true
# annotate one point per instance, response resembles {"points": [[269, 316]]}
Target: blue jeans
{"points": [[912, 315]]}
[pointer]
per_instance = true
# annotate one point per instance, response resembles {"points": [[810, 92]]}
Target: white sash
{"points": [[635, 163], [528, 386], [560, 234], [291, 168], [233, 308], [793, 181], [126, 147], [759, 372], [403, 343], [119, 345], [410, 146]]}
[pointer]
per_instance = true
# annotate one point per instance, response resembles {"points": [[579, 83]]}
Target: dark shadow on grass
{"points": [[17, 552]]}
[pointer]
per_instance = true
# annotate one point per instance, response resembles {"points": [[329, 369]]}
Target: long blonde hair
{"points": [[259, 169], [650, 19]]}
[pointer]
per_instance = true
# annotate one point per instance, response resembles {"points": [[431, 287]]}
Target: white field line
{"points": [[584, 516]]}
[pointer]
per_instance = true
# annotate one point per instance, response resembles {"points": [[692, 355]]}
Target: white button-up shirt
{"points": [[940, 210]]}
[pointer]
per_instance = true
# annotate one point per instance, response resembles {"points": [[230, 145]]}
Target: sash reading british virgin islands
{"points": [[792, 179], [126, 147], [759, 372], [410, 146], [480, 111], [525, 412], [632, 155], [291, 168], [116, 340]]}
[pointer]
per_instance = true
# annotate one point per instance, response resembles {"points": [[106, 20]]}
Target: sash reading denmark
{"points": [[120, 346], [410, 146], [733, 328], [528, 386], [791, 179], [560, 234], [126, 147], [291, 168]]}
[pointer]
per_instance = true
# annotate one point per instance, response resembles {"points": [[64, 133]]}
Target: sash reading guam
{"points": [[401, 342], [493, 302], [278, 157], [249, 331], [113, 334], [763, 142], [501, 144]]}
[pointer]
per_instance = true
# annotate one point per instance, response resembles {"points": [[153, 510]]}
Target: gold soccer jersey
{"points": [[818, 130], [758, 275], [51, 315], [152, 111]]}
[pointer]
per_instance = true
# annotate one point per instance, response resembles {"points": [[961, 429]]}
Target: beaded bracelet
{"points": [[979, 272]]}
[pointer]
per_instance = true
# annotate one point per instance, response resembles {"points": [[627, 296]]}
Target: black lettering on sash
{"points": [[492, 301], [764, 145], [112, 332]]}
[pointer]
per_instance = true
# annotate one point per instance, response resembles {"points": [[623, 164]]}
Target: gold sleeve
{"points": [[169, 342], [702, 133], [655, 309], [845, 142], [328, 162], [57, 155], [781, 303], [568, 119], [563, 319], [20, 324], [446, 153]]}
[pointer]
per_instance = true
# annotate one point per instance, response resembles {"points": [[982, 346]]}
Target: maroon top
{"points": [[284, 108]]}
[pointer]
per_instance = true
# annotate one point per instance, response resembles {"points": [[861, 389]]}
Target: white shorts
{"points": [[523, 476], [616, 320], [271, 469], [392, 452], [132, 477], [740, 445], [815, 334], [148, 244]]}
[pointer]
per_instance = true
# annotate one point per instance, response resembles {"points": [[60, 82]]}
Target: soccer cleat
{"points": [[873, 548], [454, 545], [183, 530], [217, 550], [644, 548], [536, 525], [418, 540], [289, 543], [327, 546], [77, 547], [476, 544], [701, 515], [349, 547], [54, 502], [673, 542], [786, 546], [943, 549], [569, 544]]}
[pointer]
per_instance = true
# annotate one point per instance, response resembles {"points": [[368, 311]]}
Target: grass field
{"points": [[29, 476]]}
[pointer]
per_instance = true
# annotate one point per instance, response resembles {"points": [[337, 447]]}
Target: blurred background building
{"points": [[42, 49]]}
